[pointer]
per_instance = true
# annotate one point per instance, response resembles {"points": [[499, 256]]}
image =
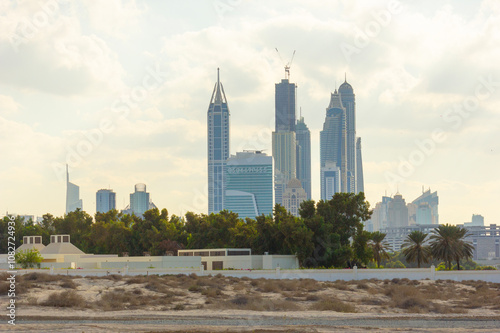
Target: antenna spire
{"points": [[345, 76], [218, 80], [67, 173]]}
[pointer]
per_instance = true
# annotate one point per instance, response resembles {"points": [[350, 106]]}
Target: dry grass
{"points": [[333, 305], [257, 303]]}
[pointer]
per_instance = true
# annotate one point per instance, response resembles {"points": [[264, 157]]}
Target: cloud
{"points": [[8, 105]]}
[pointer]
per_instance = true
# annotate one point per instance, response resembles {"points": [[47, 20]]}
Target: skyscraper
{"points": [[360, 181], [397, 212], [348, 102], [303, 137], [427, 208], [218, 146], [333, 144], [73, 200], [284, 143], [330, 180], [249, 184], [105, 201]]}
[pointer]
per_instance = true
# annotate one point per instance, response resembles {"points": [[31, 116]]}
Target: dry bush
{"points": [[179, 307], [371, 301], [195, 288], [69, 284], [270, 286], [4, 288], [310, 285], [140, 279], [333, 305], [408, 298], [112, 277], [121, 300], [32, 301], [256, 303], [341, 285], [65, 299], [42, 277], [210, 292], [361, 285], [312, 298]]}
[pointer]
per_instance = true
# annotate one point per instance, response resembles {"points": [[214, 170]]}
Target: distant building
{"points": [[348, 102], [303, 137], [73, 201], [140, 201], [427, 208], [218, 146], [285, 161], [477, 221], [333, 143], [330, 180], [284, 103], [249, 184], [360, 181], [293, 196], [380, 216], [105, 200], [397, 212]]}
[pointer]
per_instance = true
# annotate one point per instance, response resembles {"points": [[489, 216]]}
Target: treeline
{"points": [[327, 233]]}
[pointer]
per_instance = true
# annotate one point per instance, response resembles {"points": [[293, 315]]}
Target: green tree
{"points": [[362, 250], [28, 258], [414, 248], [379, 247]]}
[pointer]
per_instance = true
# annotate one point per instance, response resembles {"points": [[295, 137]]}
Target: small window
{"points": [[217, 265]]}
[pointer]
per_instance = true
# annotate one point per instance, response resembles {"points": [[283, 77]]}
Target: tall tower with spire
{"points": [[218, 146], [348, 101], [73, 200], [333, 146]]}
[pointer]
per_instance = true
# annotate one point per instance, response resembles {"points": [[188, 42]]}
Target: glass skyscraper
{"points": [[284, 103], [303, 137], [139, 200], [73, 201], [105, 200], [360, 182], [218, 146], [249, 184], [348, 102], [333, 144]]}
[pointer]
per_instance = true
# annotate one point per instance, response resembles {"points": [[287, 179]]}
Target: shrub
{"points": [[28, 258], [65, 299], [333, 305], [69, 284], [179, 307], [194, 288]]}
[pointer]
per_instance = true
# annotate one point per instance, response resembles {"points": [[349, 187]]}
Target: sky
{"points": [[119, 90]]}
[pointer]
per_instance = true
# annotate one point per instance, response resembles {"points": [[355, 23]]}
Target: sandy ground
{"points": [[291, 302]]}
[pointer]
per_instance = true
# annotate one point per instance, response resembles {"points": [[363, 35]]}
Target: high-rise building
{"points": [[333, 143], [303, 137], [427, 208], [397, 212], [330, 180], [284, 103], [218, 146], [285, 161], [249, 184], [360, 181], [348, 102], [105, 200], [73, 200], [140, 201], [284, 143], [293, 196]]}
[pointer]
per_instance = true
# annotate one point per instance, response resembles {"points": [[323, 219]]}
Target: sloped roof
{"points": [[61, 248], [25, 247]]}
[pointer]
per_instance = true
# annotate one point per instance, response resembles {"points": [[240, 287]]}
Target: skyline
{"points": [[73, 73]]}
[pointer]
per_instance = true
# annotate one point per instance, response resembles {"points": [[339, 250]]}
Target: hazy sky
{"points": [[120, 90]]}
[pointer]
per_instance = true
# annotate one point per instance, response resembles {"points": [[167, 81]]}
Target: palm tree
{"points": [[379, 247], [447, 243], [414, 248], [463, 248]]}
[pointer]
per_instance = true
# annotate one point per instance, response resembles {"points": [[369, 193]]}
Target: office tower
{"points": [[73, 200], [380, 216], [105, 200], [477, 220], [360, 182], [218, 146], [249, 184], [330, 180], [140, 201], [303, 137], [348, 102], [293, 196], [333, 144], [427, 208], [284, 143], [285, 161], [397, 212]]}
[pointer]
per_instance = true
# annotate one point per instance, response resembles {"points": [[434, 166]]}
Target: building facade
{"points": [[284, 149], [73, 201], [397, 212], [303, 137], [105, 201], [250, 184], [330, 180], [293, 196], [285, 109], [140, 201], [427, 208], [360, 181], [218, 146]]}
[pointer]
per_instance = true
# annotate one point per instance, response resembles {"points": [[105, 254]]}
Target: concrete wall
{"points": [[319, 274]]}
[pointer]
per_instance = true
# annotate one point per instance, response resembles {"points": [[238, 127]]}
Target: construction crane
{"points": [[288, 65]]}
